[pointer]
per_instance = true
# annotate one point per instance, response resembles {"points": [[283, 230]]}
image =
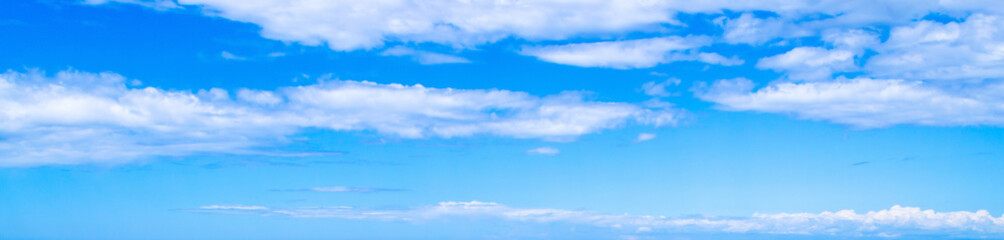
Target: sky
{"points": [[505, 119]]}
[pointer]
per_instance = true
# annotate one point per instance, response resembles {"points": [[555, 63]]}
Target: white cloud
{"points": [[855, 40], [820, 63], [258, 97], [155, 4], [659, 89], [423, 57], [230, 56], [865, 102], [644, 137], [349, 25], [895, 221], [361, 24], [638, 53], [810, 63], [76, 117], [925, 73], [751, 30], [970, 50], [543, 151]]}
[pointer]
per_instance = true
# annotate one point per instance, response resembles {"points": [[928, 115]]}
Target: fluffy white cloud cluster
{"points": [[639, 53], [970, 50], [924, 73], [895, 221], [76, 117], [864, 102], [363, 24], [810, 63], [959, 54]]}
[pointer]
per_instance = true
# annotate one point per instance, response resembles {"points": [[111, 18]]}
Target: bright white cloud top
{"points": [[360, 24], [639, 53], [965, 53], [896, 221], [570, 70], [76, 117]]}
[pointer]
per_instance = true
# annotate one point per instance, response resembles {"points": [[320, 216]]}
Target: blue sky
{"points": [[219, 119]]}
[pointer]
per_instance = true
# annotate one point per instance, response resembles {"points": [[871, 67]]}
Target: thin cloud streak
{"points": [[893, 222]]}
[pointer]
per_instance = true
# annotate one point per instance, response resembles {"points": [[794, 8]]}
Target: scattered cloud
{"points": [[644, 137], [230, 56], [748, 29], [78, 117], [341, 26], [810, 63], [626, 54], [423, 57], [895, 221], [969, 50], [543, 151], [658, 89], [864, 102], [155, 4]]}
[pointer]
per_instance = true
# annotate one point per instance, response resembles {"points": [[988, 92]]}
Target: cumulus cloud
{"points": [[543, 151], [925, 73], [349, 25], [423, 57], [78, 117], [957, 53], [895, 221], [638, 53], [970, 50], [810, 63], [864, 102], [751, 30]]}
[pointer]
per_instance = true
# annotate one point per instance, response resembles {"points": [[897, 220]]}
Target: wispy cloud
{"points": [[892, 222], [639, 53], [543, 151], [423, 57], [644, 137], [230, 56], [864, 102], [78, 117]]}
